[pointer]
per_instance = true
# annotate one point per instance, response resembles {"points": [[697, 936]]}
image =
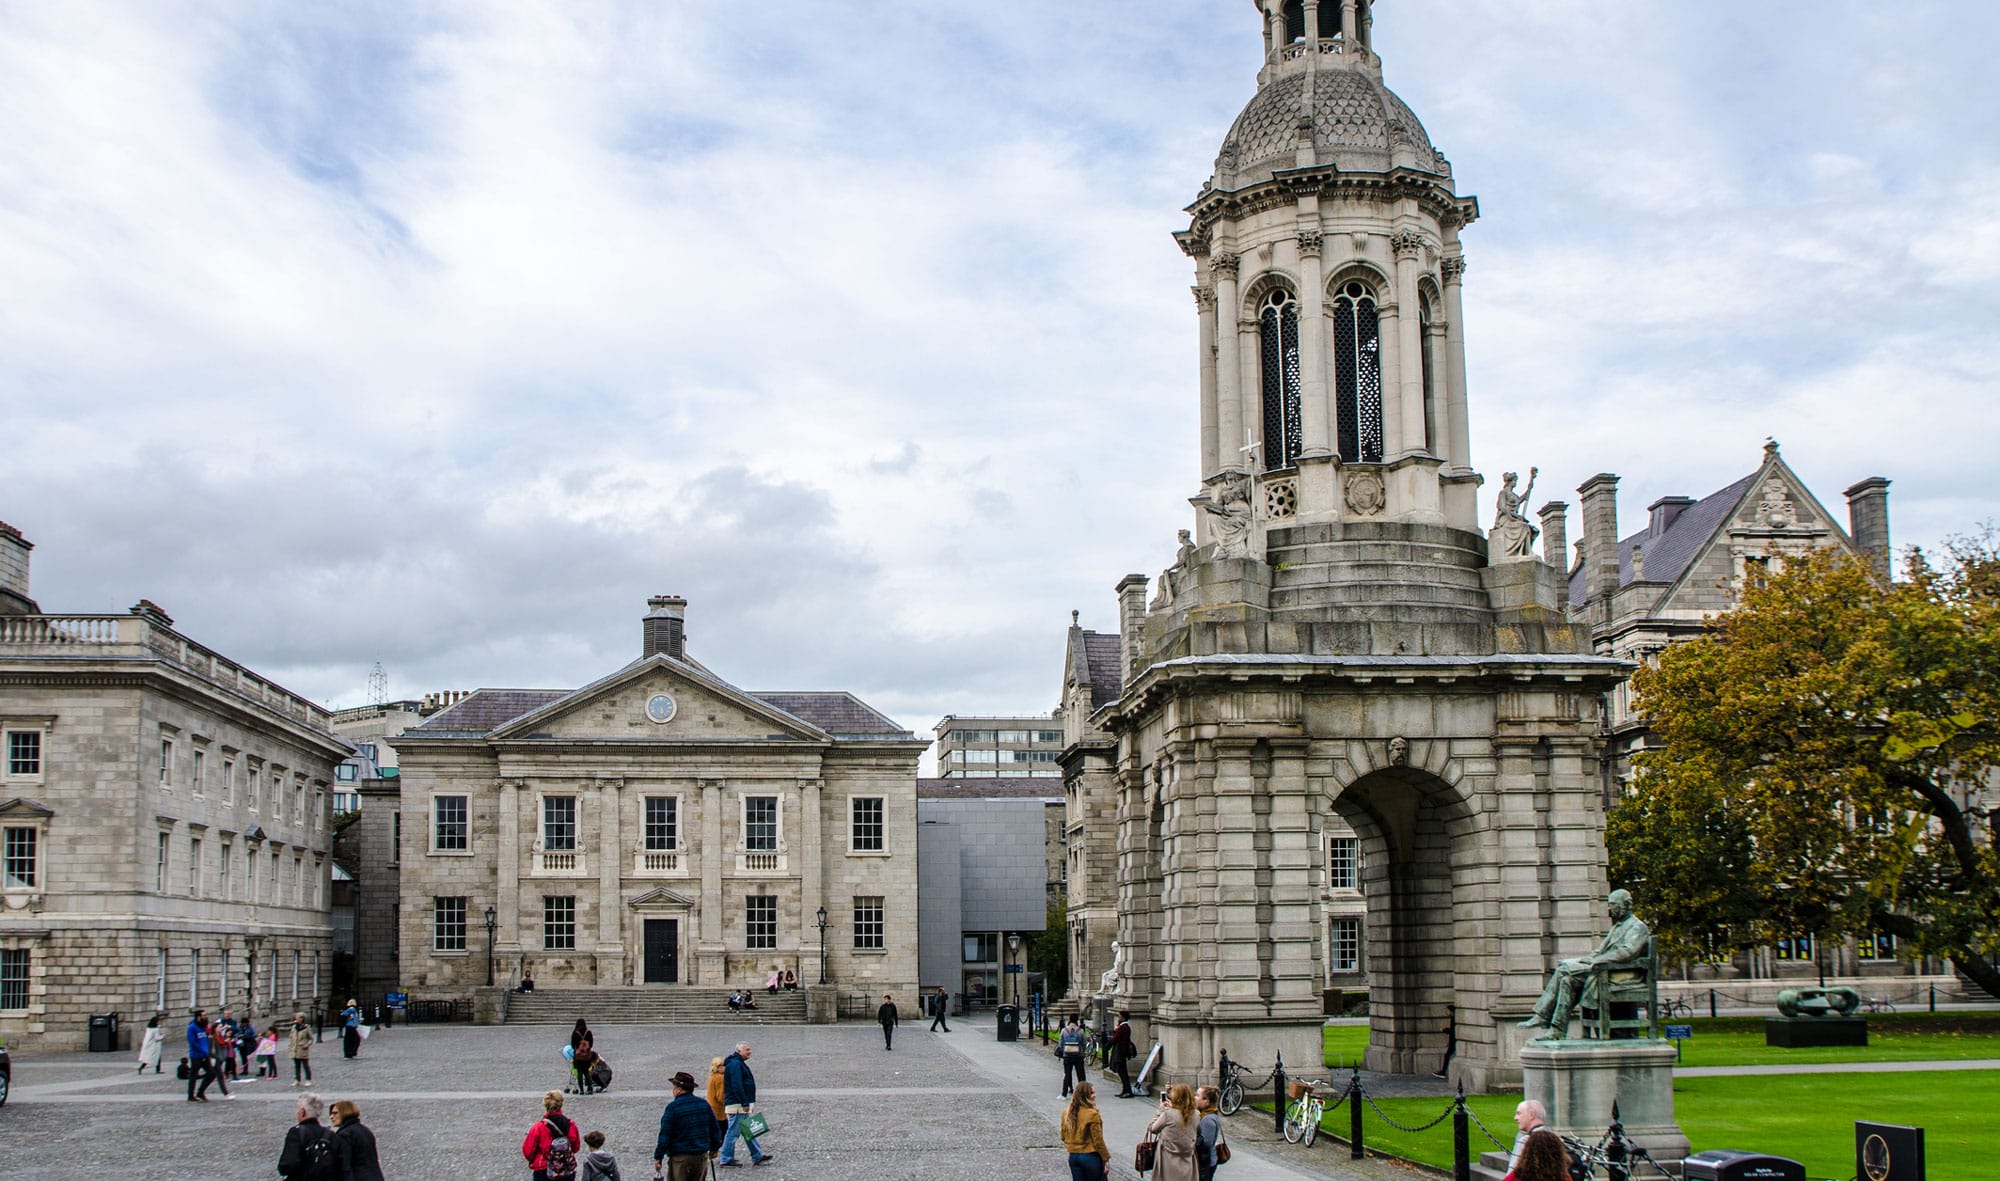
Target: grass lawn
{"points": [[1808, 1117], [1739, 1041]]}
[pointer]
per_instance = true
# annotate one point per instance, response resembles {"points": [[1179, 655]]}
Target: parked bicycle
{"points": [[1303, 1114], [1676, 1008], [1879, 1004], [1232, 1087]]}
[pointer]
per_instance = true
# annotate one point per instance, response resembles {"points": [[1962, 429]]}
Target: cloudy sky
{"points": [[442, 335]]}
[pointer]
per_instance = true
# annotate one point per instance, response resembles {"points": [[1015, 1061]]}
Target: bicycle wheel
{"points": [[1295, 1121], [1232, 1097], [1312, 1126]]}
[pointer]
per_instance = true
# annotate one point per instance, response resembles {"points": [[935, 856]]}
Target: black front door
{"points": [[663, 955]]}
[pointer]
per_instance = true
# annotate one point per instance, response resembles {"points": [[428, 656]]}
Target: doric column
{"points": [[1408, 434], [812, 874], [1457, 428], [1204, 303], [1314, 408], [508, 797], [607, 797], [1228, 366]]}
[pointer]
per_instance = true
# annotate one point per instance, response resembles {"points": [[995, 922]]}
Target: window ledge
{"points": [[449, 955], [448, 853], [869, 853], [870, 951]]}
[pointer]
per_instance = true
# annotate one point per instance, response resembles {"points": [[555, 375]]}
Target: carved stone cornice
{"points": [[1453, 268], [1407, 243], [1223, 263], [1310, 242]]}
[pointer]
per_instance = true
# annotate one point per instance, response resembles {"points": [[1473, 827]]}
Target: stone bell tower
{"points": [[1338, 650]]}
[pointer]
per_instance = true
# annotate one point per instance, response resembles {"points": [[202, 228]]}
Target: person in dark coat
{"points": [[689, 1136], [350, 1030], [354, 1145], [1122, 1053], [739, 1098], [886, 1015], [293, 1159], [941, 1009]]}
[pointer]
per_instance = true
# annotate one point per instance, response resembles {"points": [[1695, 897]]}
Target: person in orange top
{"points": [[715, 1085], [1083, 1134]]}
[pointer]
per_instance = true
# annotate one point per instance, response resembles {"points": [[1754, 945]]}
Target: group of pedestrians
{"points": [[217, 1049], [314, 1152], [694, 1130], [1186, 1135]]}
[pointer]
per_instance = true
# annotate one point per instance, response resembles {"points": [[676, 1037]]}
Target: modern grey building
{"points": [[999, 748], [984, 882]]}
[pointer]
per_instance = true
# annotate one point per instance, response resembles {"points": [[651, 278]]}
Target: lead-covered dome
{"points": [[1357, 125]]}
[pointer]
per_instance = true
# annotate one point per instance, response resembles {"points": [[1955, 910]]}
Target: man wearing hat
{"points": [[688, 1135]]}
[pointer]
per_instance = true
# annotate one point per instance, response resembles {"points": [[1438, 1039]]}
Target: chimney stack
{"points": [[666, 626], [1132, 623], [14, 549], [1662, 513], [1600, 537], [1555, 538], [1868, 519]]}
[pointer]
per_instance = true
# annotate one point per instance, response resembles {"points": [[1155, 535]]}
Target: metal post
{"points": [[1355, 1150], [1615, 1153], [1711, 1002], [1278, 1093], [1461, 1142], [1222, 1071], [1933, 998]]}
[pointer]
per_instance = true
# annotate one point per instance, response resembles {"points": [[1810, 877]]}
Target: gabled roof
{"points": [[1095, 660], [487, 709], [1670, 554], [524, 724], [835, 712]]}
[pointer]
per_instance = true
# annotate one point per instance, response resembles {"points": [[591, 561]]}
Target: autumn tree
{"points": [[1826, 755]]}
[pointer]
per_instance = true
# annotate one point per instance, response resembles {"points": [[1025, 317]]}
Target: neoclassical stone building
{"points": [[659, 827], [166, 819], [1337, 643]]}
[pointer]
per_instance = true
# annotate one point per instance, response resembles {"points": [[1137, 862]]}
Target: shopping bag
{"points": [[364, 1031], [754, 1125]]}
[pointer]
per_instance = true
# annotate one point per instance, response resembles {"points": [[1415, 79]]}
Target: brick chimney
{"points": [[1555, 537], [14, 549], [666, 626], [1868, 520], [1132, 623], [1600, 536]]}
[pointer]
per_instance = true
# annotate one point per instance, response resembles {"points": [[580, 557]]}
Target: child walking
{"points": [[598, 1165], [267, 1053]]}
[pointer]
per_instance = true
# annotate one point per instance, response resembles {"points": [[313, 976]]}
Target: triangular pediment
{"points": [[660, 898], [629, 704], [22, 806], [1775, 509]]}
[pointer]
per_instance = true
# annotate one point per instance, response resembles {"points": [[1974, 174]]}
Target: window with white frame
{"points": [[160, 985], [869, 928], [22, 848], [15, 963], [272, 884], [24, 753], [295, 975], [447, 924], [866, 829], [662, 828], [271, 987], [318, 807], [559, 922], [222, 981], [228, 780], [166, 763], [760, 922], [200, 765], [558, 824], [346, 773], [160, 865], [194, 867], [299, 802], [451, 830], [319, 882], [1344, 949], [194, 978], [298, 880], [251, 778], [277, 795], [760, 824], [222, 872], [250, 871], [1343, 865]]}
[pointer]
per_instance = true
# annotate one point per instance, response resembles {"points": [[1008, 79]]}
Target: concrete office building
{"points": [[999, 748]]}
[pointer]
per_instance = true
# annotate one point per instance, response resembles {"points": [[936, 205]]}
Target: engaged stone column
{"points": [[1228, 364], [1404, 432], [508, 795], [607, 795], [812, 880], [1313, 417], [709, 955], [1204, 303], [1457, 429], [1241, 811]]}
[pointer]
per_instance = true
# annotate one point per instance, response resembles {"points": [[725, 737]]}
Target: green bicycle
{"points": [[1302, 1115]]}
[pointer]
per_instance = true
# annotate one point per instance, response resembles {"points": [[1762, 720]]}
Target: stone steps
{"points": [[662, 1005]]}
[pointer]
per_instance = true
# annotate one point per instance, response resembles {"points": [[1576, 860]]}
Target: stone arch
{"points": [[1367, 272], [1416, 826], [1256, 289]]}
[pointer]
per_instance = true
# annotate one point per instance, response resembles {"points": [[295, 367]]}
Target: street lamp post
{"points": [[1014, 955], [819, 920], [492, 923]]}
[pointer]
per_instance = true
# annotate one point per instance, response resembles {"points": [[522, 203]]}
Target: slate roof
{"points": [[835, 713], [488, 709], [1670, 554], [1096, 660], [1009, 788]]}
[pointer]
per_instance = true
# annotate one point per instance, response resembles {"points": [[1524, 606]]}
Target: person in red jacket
{"points": [[543, 1135]]}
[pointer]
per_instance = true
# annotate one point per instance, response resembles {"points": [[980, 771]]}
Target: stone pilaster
{"points": [[607, 799], [510, 795], [710, 952]]}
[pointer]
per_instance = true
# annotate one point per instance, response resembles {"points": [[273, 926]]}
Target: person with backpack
{"points": [[1070, 1046], [552, 1144], [308, 1154]]}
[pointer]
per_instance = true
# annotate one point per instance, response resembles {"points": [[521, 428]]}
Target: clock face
{"points": [[660, 708], [1875, 1158]]}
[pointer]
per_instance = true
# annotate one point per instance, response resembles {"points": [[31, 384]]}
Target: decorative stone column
{"points": [[1204, 302], [710, 952], [1313, 416], [607, 796], [1458, 432], [812, 874], [1403, 432], [508, 795], [1228, 364]]}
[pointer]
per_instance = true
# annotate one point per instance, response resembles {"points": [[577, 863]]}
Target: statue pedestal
{"points": [[1579, 1080], [1815, 1031]]}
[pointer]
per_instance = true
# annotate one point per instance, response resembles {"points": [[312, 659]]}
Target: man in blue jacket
{"points": [[739, 1098], [688, 1135], [201, 1061]]}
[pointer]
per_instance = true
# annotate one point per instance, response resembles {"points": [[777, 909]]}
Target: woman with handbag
{"points": [[1173, 1158], [1083, 1134], [1210, 1147]]}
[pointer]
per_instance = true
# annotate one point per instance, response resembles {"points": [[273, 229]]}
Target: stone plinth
{"points": [[1578, 1081], [1815, 1031]]}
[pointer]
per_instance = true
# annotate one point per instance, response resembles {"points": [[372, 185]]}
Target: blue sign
{"points": [[1013, 969], [1680, 1032], [397, 1000]]}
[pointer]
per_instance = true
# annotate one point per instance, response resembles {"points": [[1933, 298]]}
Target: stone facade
{"points": [[168, 838], [659, 826], [1336, 648]]}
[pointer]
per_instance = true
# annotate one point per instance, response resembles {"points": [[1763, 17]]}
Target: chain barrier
{"points": [[1384, 1117], [1474, 1117], [1250, 1086]]}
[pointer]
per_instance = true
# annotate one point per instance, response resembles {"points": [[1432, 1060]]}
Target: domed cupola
{"points": [[1343, 114]]}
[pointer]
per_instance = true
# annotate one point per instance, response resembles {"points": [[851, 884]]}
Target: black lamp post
{"points": [[1014, 954], [492, 922], [819, 920]]}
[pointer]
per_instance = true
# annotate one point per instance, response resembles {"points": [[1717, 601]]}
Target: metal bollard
{"points": [[1278, 1092], [1711, 1002], [1222, 1075], [1933, 998], [1355, 1151], [1461, 1141]]}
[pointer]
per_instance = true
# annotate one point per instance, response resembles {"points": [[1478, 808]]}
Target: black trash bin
{"points": [[1009, 1022], [1733, 1164], [103, 1033]]}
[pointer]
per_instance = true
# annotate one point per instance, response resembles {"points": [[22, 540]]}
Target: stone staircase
{"points": [[670, 1004]]}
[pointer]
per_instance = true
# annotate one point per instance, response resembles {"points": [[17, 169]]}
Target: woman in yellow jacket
{"points": [[715, 1092], [1083, 1134]]}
